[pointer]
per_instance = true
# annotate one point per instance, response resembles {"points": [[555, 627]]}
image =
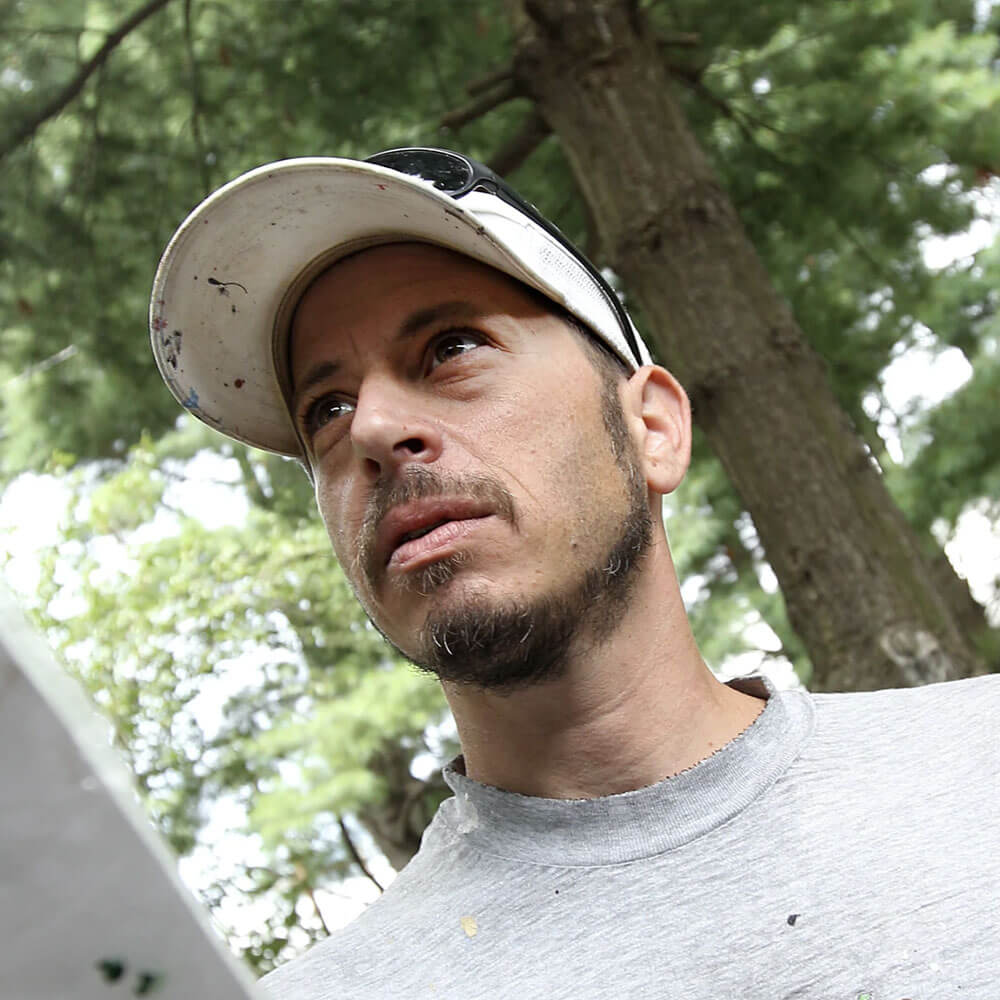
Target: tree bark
{"points": [[965, 609], [858, 589], [397, 823], [532, 133]]}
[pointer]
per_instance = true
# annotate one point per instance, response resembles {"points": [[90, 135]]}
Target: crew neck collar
{"points": [[615, 829]]}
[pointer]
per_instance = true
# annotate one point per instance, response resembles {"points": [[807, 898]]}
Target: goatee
{"points": [[507, 645]]}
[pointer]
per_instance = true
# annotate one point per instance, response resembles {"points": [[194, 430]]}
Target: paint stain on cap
{"points": [[470, 926]]}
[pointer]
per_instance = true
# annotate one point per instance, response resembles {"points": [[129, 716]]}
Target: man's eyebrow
{"points": [[443, 311], [318, 373], [410, 327]]}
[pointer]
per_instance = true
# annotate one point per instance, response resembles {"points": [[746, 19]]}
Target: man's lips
{"points": [[428, 547], [422, 525]]}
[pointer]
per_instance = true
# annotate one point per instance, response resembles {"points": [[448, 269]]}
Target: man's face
{"points": [[462, 463]]}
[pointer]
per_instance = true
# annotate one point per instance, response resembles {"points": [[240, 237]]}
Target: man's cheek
{"points": [[345, 546]]}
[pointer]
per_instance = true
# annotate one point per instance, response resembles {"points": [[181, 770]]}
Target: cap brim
{"points": [[230, 277], [225, 275]]}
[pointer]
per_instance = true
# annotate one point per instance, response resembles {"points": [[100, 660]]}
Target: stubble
{"points": [[505, 644]]}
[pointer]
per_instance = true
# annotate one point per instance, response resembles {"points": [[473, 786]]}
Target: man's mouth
{"points": [[427, 546], [420, 532], [416, 529]]}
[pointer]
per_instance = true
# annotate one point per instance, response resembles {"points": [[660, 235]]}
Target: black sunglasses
{"points": [[457, 175]]}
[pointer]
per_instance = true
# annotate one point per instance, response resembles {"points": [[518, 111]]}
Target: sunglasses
{"points": [[457, 175]]}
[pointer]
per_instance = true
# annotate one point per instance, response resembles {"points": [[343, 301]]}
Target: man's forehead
{"points": [[384, 261], [335, 331], [407, 287]]}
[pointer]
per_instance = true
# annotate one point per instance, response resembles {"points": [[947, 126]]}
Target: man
{"points": [[489, 443]]}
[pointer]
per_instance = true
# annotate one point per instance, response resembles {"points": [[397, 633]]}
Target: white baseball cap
{"points": [[231, 276]]}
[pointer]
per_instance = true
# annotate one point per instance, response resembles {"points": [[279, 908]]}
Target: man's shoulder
{"points": [[388, 950], [330, 967], [938, 726], [417, 916], [343, 963], [976, 694]]}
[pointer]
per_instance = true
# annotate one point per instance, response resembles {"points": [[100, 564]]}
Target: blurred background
{"points": [[290, 759]]}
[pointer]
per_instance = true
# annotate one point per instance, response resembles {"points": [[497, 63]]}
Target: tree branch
{"points": [[358, 860], [741, 119], [504, 91], [40, 366], [679, 39], [426, 35], [250, 481], [692, 79], [490, 80], [201, 150], [58, 103], [54, 32], [532, 133], [319, 913]]}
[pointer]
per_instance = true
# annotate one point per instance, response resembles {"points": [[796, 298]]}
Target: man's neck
{"points": [[639, 707]]}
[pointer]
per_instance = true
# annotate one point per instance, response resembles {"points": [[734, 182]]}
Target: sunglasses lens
{"points": [[446, 172]]}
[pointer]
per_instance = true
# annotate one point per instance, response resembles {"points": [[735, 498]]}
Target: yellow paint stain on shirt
{"points": [[470, 926]]}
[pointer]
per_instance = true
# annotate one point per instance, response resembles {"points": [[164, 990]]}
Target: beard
{"points": [[505, 645]]}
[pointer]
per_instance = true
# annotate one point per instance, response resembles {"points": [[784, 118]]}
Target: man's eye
{"points": [[453, 343], [325, 410]]}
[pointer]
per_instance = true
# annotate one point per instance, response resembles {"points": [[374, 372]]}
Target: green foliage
{"points": [[955, 444], [959, 452]]}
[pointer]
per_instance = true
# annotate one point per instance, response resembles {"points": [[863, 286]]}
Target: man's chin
{"points": [[431, 579], [474, 635], [491, 643], [464, 633]]}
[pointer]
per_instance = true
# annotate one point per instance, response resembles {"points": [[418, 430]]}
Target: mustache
{"points": [[421, 483]]}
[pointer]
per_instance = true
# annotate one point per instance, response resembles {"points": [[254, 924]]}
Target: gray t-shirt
{"points": [[844, 847]]}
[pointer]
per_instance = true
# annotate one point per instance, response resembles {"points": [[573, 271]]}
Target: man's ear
{"points": [[659, 413]]}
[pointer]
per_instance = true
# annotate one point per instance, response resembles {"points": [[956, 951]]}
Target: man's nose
{"points": [[390, 428]]}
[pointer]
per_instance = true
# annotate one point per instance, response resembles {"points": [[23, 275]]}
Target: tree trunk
{"points": [[967, 612], [397, 822], [858, 589]]}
